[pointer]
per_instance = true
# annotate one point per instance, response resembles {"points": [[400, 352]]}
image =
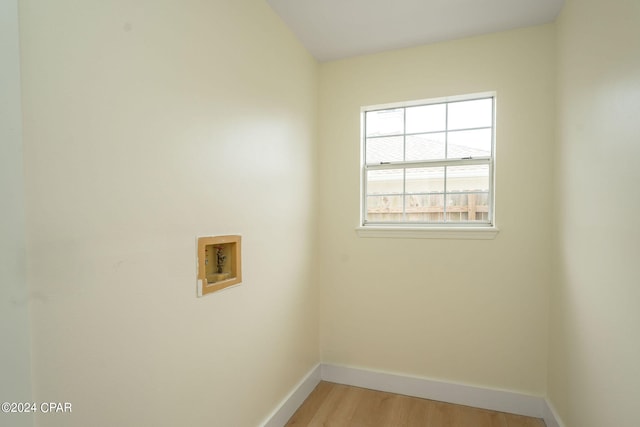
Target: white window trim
{"points": [[466, 231], [432, 232]]}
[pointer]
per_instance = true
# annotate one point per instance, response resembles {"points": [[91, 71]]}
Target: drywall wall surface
{"points": [[594, 374], [15, 353], [147, 124], [465, 311]]}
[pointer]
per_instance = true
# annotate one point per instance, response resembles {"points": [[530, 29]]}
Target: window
{"points": [[429, 164]]}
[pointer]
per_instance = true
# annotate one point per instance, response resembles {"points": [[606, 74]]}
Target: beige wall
{"points": [[15, 354], [594, 373], [458, 310], [147, 124]]}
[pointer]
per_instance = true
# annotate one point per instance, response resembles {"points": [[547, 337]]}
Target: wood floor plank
{"points": [[467, 416], [337, 409], [309, 408], [373, 407], [409, 412], [336, 405], [521, 421], [441, 414]]}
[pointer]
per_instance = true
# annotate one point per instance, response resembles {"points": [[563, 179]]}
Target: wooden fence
{"points": [[461, 207]]}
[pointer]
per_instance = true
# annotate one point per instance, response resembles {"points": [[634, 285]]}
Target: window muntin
{"points": [[429, 163]]}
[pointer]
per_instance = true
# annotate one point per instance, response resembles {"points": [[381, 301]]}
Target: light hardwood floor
{"points": [[337, 405]]}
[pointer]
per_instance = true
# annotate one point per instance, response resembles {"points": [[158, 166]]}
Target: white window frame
{"points": [[448, 230]]}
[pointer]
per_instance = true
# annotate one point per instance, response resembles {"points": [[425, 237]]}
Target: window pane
{"points": [[425, 147], [457, 208], [426, 118], [469, 143], [384, 208], [462, 205], [387, 181], [424, 208], [385, 122], [467, 178], [470, 114], [467, 207], [386, 149], [425, 180]]}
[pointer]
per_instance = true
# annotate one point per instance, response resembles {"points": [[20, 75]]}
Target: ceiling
{"points": [[334, 29]]}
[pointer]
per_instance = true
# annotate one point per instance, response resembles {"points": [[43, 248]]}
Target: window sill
{"points": [[460, 233]]}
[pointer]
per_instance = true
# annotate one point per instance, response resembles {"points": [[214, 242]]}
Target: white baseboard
{"points": [[496, 400], [479, 397], [292, 402]]}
